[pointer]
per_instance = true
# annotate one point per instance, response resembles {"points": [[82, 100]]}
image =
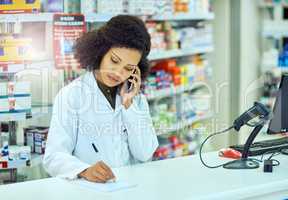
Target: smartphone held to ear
{"points": [[128, 85]]}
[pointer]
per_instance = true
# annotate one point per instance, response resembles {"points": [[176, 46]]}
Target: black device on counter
{"points": [[259, 111], [278, 124]]}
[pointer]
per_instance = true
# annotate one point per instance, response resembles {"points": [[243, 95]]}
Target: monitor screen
{"points": [[279, 122]]}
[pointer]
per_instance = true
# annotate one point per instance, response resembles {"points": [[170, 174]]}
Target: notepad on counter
{"points": [[104, 187]]}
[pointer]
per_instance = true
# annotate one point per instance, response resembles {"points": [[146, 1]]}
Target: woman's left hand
{"points": [[127, 97]]}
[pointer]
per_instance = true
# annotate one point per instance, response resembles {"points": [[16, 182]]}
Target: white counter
{"points": [[176, 179]]}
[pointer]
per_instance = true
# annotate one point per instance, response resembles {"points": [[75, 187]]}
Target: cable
{"points": [[270, 157], [201, 147]]}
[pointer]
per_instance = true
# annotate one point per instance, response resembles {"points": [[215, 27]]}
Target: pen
{"points": [[94, 147]]}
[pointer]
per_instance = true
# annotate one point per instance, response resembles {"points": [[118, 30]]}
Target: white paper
{"points": [[104, 187]]}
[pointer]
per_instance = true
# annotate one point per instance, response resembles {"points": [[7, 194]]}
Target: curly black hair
{"points": [[120, 31]]}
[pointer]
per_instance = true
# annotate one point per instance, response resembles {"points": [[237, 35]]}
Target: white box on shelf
{"points": [[14, 88], [88, 6], [4, 105], [108, 7], [12, 104]]}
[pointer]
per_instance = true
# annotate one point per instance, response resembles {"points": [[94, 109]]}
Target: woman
{"points": [[101, 120]]}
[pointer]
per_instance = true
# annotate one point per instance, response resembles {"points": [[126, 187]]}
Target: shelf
{"points": [[16, 68], [189, 16], [27, 17], [94, 17], [266, 68], [14, 164], [183, 123], [179, 52], [36, 160], [171, 91], [40, 111], [275, 29], [12, 117], [36, 113], [271, 4]]}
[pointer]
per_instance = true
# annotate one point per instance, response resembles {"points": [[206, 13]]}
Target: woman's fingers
{"points": [[136, 85], [103, 172], [99, 178], [107, 170], [136, 77]]}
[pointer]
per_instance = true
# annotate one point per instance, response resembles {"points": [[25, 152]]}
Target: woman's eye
{"points": [[114, 61], [129, 68]]}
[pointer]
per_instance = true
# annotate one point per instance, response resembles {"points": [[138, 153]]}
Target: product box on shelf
{"points": [[15, 97], [15, 88], [19, 6], [36, 137], [88, 6], [15, 104], [14, 49], [53, 5]]}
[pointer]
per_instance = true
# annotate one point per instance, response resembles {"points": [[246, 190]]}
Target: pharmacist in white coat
{"points": [[101, 120]]}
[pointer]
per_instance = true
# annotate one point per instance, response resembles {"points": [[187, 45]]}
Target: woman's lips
{"points": [[114, 78]]}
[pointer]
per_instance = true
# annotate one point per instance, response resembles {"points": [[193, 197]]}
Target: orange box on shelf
{"points": [[175, 70], [15, 49], [19, 6], [165, 65], [177, 80]]}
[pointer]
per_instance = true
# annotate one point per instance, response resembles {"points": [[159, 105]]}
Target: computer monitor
{"points": [[279, 121]]}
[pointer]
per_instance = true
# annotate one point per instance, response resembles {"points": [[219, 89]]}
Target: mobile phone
{"points": [[129, 85]]}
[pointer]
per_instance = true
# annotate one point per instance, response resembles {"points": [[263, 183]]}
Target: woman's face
{"points": [[117, 65]]}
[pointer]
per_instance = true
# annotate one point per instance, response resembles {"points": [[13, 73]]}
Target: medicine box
{"points": [[53, 5], [36, 137], [15, 104], [15, 88], [19, 6], [15, 49]]}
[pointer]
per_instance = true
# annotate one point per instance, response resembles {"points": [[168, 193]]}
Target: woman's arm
{"points": [[141, 134], [58, 159]]}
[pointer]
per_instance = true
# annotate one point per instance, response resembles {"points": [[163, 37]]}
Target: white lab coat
{"points": [[82, 116]]}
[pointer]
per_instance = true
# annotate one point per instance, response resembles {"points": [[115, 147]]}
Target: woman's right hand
{"points": [[99, 173]]}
